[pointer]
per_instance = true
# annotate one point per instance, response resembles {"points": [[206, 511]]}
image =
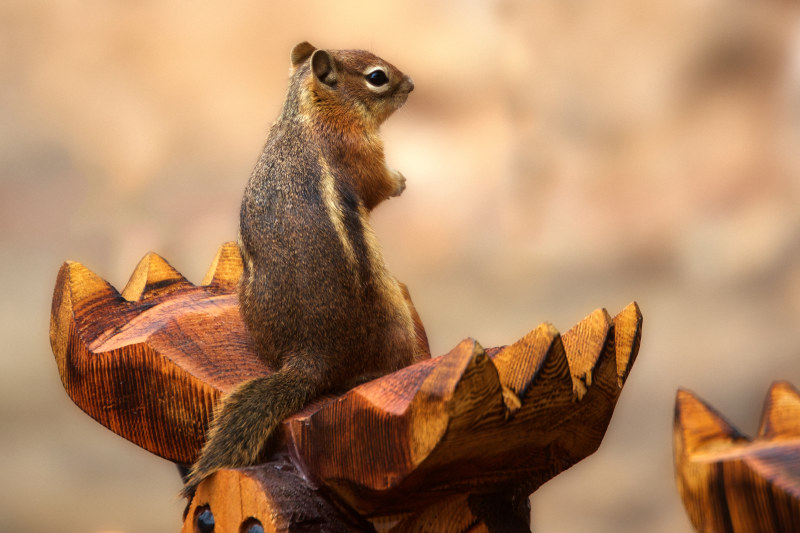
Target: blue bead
{"points": [[205, 521]]}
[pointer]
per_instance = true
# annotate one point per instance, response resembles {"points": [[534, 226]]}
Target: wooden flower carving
{"points": [[453, 443], [730, 482]]}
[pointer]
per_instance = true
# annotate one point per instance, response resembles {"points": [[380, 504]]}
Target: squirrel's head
{"points": [[355, 82]]}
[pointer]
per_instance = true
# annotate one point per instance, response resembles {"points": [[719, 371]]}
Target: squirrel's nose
{"points": [[410, 83]]}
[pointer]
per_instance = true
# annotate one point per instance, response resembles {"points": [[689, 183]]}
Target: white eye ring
{"points": [[377, 79]]}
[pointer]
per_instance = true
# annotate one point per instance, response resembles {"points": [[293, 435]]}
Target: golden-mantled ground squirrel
{"points": [[315, 294]]}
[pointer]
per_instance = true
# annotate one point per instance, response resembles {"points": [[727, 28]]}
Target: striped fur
{"points": [[315, 294]]}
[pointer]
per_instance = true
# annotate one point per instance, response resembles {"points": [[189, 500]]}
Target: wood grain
{"points": [[277, 498], [442, 428], [149, 363], [731, 483], [453, 443]]}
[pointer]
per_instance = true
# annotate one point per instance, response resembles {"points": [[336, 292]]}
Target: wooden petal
{"points": [[226, 269], [698, 426], [149, 370], [700, 483], [153, 277], [584, 344], [519, 364], [627, 336], [780, 418], [447, 422], [385, 428], [80, 290], [729, 483]]}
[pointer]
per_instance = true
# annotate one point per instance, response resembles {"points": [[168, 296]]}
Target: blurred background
{"points": [[560, 156]]}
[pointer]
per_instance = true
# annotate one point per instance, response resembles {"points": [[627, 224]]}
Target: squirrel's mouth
{"points": [[400, 99], [401, 93]]}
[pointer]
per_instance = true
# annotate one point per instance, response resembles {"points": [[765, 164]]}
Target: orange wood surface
{"points": [[453, 443], [730, 482]]}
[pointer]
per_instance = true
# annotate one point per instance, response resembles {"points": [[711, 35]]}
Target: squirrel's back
{"points": [[315, 293], [315, 280]]}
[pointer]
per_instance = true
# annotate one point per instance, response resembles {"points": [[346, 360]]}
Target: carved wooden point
{"points": [[226, 268], [451, 443], [730, 482], [780, 418], [153, 277]]}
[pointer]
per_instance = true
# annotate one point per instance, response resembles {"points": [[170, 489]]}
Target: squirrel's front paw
{"points": [[400, 183]]}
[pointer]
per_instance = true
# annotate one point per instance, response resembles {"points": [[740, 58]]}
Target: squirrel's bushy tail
{"points": [[244, 420]]}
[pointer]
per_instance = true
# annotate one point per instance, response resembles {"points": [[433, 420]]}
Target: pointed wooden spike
{"points": [[727, 482], [554, 372], [412, 410], [441, 383], [76, 287], [477, 394], [435, 400], [627, 336], [84, 284], [698, 425], [584, 345], [519, 364], [226, 269], [781, 415], [153, 276]]}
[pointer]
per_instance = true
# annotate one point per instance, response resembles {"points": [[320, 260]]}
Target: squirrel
{"points": [[315, 293]]}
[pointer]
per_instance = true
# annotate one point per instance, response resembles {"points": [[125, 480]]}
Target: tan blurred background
{"points": [[561, 156]]}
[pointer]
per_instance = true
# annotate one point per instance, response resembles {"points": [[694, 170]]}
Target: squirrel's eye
{"points": [[377, 78]]}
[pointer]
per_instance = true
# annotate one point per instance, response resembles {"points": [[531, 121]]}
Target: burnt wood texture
{"points": [[453, 443], [730, 482]]}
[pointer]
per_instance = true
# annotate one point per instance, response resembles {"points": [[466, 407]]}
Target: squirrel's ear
{"points": [[323, 67], [301, 52]]}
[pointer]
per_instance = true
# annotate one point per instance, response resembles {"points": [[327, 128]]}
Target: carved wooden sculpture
{"points": [[454, 443], [730, 482]]}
